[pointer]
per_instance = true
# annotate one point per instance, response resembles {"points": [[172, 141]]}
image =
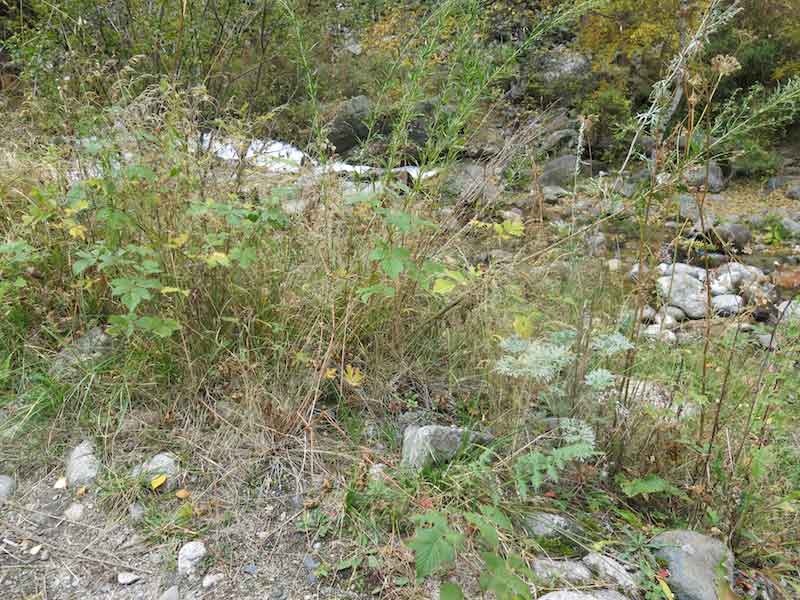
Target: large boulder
{"points": [[424, 446], [733, 234], [350, 123], [695, 562], [685, 292]]}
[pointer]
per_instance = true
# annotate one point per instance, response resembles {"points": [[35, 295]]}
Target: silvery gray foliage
{"points": [[599, 379], [612, 343], [537, 360]]}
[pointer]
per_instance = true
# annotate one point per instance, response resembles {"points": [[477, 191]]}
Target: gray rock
{"points": [[93, 347], [212, 579], [767, 341], [685, 292], [171, 594], [311, 565], [190, 557], [734, 234], [349, 125], [8, 486], [789, 310], [659, 333], [648, 314], [696, 177], [727, 305], [780, 182], [550, 571], [793, 193], [665, 319], [562, 71], [633, 274], [667, 269], [693, 559], [791, 226], [611, 570], [732, 276], [474, 180], [596, 244], [164, 463], [424, 446], [575, 595], [560, 172], [74, 512], [136, 512], [82, 465], [553, 193], [548, 525], [128, 578]]}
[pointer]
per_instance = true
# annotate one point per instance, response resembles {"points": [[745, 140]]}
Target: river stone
{"points": [[668, 269], [550, 571], [82, 465], [190, 556], [91, 348], [7, 486], [611, 570], [692, 559], [164, 463], [727, 305], [424, 446], [685, 292]]}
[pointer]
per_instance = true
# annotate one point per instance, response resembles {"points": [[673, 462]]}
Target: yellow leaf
{"points": [[523, 326], [157, 481], [174, 290], [330, 373], [183, 493], [179, 240], [217, 259], [443, 286], [81, 491], [77, 231], [353, 376], [665, 588]]}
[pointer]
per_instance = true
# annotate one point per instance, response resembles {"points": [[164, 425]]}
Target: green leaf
{"points": [[487, 529], [450, 591], [379, 289], [496, 516], [163, 328], [434, 546], [652, 484], [443, 286], [133, 291]]}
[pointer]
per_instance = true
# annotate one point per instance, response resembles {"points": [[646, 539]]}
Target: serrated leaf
{"points": [[487, 530], [433, 546], [353, 376], [496, 516], [157, 481]]}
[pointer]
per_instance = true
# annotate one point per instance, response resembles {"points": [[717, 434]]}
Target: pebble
{"points": [[7, 486], [74, 512], [311, 565], [128, 578], [212, 579], [136, 512], [170, 594], [190, 556], [164, 463], [249, 569], [82, 465]]}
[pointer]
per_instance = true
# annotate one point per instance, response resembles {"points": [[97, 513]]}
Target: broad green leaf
{"points": [[443, 286], [163, 328], [433, 546], [487, 530]]}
